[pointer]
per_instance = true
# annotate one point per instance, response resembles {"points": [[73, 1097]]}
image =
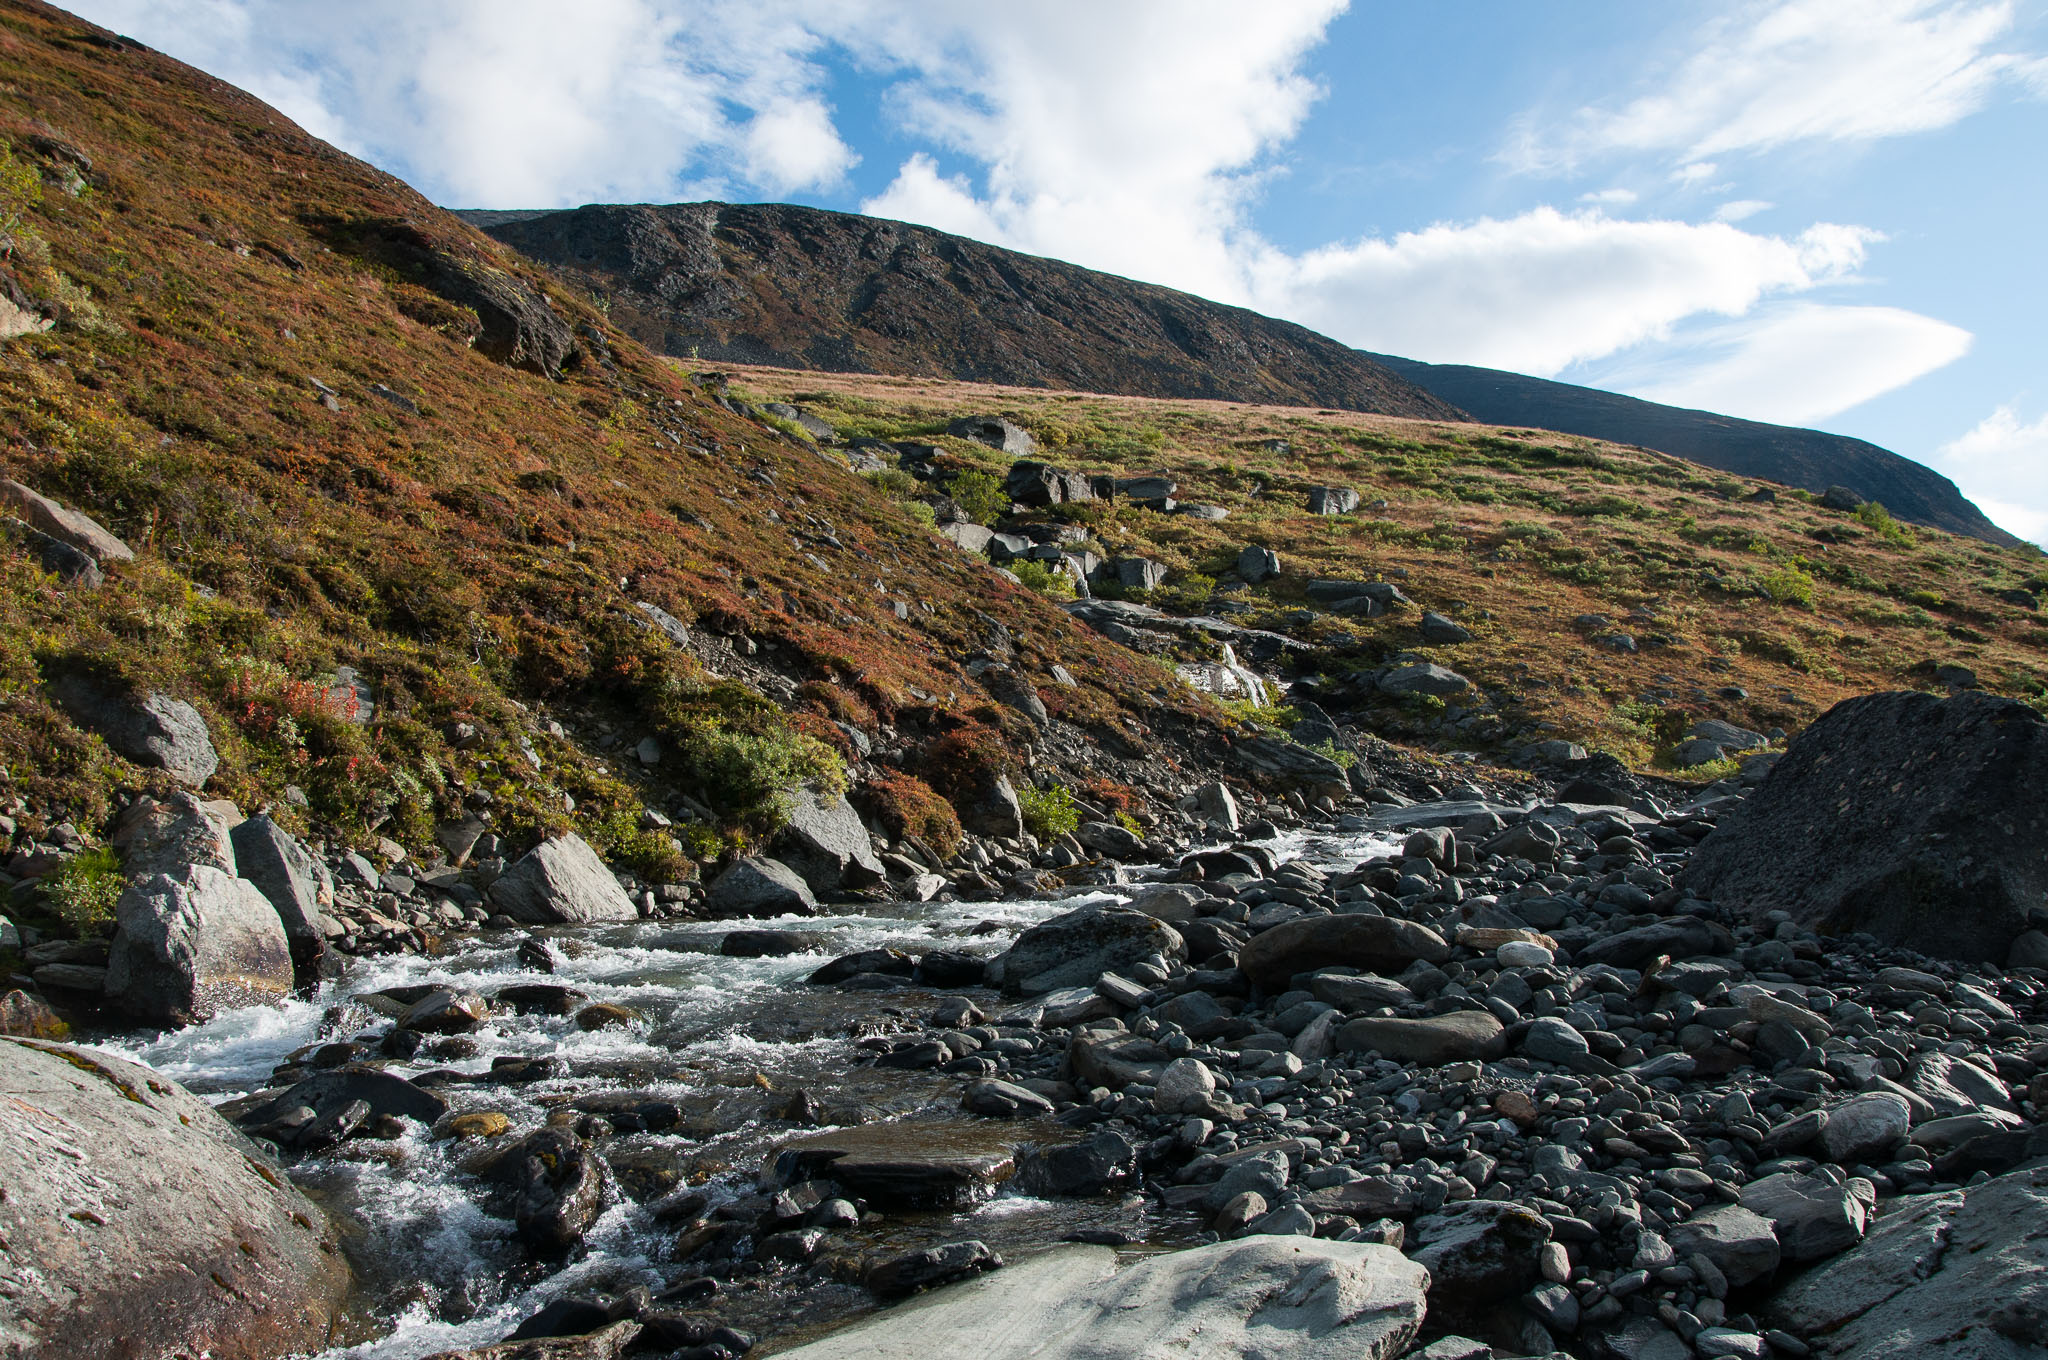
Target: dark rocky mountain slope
{"points": [[773, 283], [1812, 459]]}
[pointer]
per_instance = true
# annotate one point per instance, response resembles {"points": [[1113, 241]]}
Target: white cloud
{"points": [[1770, 75], [2002, 464], [1696, 172], [1741, 209], [1604, 197], [1793, 363]]}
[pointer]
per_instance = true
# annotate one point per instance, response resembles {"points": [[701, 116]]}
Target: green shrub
{"points": [[83, 890], [1042, 578], [893, 482], [980, 495], [1873, 516], [1787, 585], [1049, 813]]}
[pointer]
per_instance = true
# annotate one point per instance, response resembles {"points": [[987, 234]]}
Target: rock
{"points": [[605, 1015], [826, 844], [1841, 498], [562, 1188], [1680, 937], [1813, 1217], [1276, 1298], [1003, 1100], [192, 944], [996, 432], [1074, 949], [903, 1164], [1742, 1245], [73, 528], [1423, 678], [1438, 629], [1549, 1039], [28, 1017], [1219, 808], [539, 998], [1185, 1085], [1256, 564], [150, 729], [1378, 944], [1953, 1086], [1431, 1041], [1478, 1254], [759, 887], [295, 883], [969, 537], [1278, 758], [1101, 1164], [54, 556], [1107, 838], [561, 881], [164, 837], [930, 1266], [385, 1093], [767, 944], [990, 808], [123, 1189], [1523, 954], [607, 1343], [1866, 1128], [1129, 573], [446, 1011], [1948, 862], [1942, 1276], [1728, 736], [1332, 500], [478, 1124]]}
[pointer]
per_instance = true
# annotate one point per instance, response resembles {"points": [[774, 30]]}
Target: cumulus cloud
{"points": [[1770, 75], [1794, 363], [2002, 464]]}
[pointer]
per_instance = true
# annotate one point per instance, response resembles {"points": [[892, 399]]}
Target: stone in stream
{"points": [[562, 1186], [446, 1011], [608, 1343], [1379, 944], [912, 1271], [767, 944], [1950, 861], [561, 881], [123, 1190], [1278, 1298], [386, 1093], [1074, 949], [1003, 1100], [904, 1164], [1101, 1164], [826, 845], [193, 943], [759, 887], [539, 998]]}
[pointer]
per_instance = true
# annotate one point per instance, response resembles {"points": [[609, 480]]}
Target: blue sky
{"points": [[1821, 212]]}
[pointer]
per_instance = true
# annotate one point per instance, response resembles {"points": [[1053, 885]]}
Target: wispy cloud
{"points": [[2002, 464]]}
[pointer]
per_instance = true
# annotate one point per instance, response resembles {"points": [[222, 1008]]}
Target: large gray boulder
{"points": [[1377, 944], [1921, 820], [137, 1222], [1074, 949], [297, 884], [73, 528], [1424, 677], [1275, 1298], [163, 836], [1430, 1041], [149, 729], [996, 432], [54, 555], [1278, 758], [989, 807], [190, 944], [826, 844], [561, 881], [1961, 1275], [759, 887]]}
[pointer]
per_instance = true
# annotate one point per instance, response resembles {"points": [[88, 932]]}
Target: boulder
{"points": [[1103, 1163], [125, 1195], [759, 887], [1276, 1298], [1424, 677], [1256, 564], [562, 1186], [561, 881], [1438, 629], [1921, 820], [1278, 758], [826, 845], [995, 432], [1332, 500], [1813, 1217], [989, 807], [904, 1164], [1742, 1244], [150, 729], [1866, 1128], [929, 1266], [1431, 1041], [1074, 949], [163, 837], [1003, 1100], [384, 1092], [73, 528], [1941, 1277], [296, 884], [54, 555], [1377, 944], [1107, 838], [1478, 1253], [191, 944], [608, 1342]]}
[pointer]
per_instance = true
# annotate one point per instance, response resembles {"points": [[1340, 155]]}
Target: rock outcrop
{"points": [[137, 1222]]}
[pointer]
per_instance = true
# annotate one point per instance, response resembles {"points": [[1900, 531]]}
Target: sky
{"points": [[1813, 212]]}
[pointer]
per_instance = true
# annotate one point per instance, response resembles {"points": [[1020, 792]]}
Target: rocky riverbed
{"points": [[1456, 1077]]}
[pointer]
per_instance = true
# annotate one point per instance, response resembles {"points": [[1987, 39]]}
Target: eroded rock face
{"points": [[1277, 1298], [194, 942], [125, 1196], [1923, 821]]}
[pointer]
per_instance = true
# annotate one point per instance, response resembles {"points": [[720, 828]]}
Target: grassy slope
{"points": [[1517, 534], [476, 559]]}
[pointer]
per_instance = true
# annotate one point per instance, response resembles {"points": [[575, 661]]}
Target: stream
{"points": [[729, 1040]]}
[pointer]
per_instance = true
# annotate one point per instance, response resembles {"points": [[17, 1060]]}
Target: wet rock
{"points": [[902, 1164], [122, 1189], [561, 881], [1279, 1298], [445, 1011], [605, 1015], [826, 845], [384, 1092], [149, 729], [608, 1343], [767, 944], [893, 962], [1949, 862], [1075, 949], [759, 887], [191, 944], [1101, 1164], [912, 1271], [1003, 1100], [1432, 1041], [562, 1186], [1379, 944], [539, 998]]}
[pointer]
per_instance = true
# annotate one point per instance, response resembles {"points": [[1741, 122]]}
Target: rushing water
{"points": [[722, 1037]]}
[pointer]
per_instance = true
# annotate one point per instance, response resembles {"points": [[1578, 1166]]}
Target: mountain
{"points": [[1748, 448], [797, 287], [773, 283]]}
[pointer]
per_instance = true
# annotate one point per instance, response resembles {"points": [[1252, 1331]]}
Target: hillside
{"points": [[1811, 459], [798, 287], [1614, 597], [774, 283], [417, 531]]}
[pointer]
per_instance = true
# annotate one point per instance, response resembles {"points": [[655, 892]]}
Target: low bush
{"points": [[1049, 813], [1787, 585], [84, 889], [905, 805]]}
